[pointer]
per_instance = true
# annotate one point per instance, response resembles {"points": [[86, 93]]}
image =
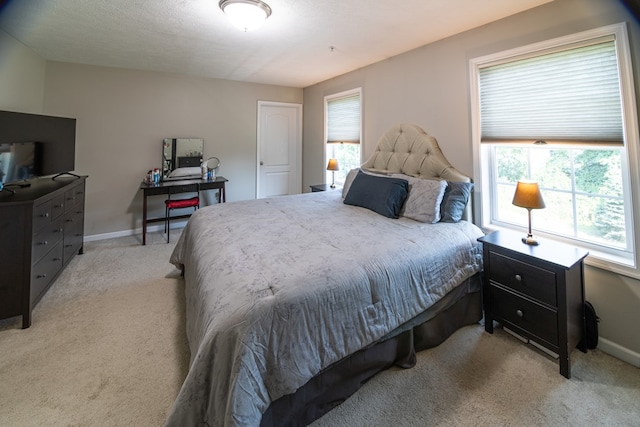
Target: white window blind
{"points": [[572, 95], [343, 119]]}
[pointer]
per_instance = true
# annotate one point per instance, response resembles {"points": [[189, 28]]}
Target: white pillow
{"points": [[348, 180], [189, 171], [424, 199]]}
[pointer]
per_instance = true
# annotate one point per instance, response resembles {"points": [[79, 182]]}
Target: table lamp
{"points": [[528, 196], [333, 167]]}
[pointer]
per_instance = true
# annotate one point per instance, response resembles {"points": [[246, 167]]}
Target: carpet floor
{"points": [[107, 347]]}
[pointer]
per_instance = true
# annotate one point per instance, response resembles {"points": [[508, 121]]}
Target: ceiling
{"points": [[292, 48]]}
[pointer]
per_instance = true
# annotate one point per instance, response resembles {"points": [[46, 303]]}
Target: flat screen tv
{"points": [[55, 139]]}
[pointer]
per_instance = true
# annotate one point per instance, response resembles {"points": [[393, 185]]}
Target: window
{"points": [[343, 130], [561, 113]]}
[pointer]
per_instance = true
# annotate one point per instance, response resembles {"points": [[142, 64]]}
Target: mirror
{"points": [[181, 158], [213, 164]]}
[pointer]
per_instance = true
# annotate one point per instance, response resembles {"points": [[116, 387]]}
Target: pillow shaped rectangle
{"points": [[424, 199], [382, 195]]}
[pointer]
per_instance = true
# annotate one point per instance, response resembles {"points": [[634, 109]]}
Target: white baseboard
{"points": [[124, 233], [619, 352]]}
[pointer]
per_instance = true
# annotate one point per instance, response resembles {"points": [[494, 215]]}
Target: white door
{"points": [[279, 149]]}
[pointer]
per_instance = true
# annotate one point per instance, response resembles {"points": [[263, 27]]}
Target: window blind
{"points": [[572, 95], [343, 119]]}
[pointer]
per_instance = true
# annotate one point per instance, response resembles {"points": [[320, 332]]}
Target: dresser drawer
{"points": [[535, 282], [45, 270], [57, 206], [536, 319], [46, 238], [73, 232], [41, 215], [73, 197]]}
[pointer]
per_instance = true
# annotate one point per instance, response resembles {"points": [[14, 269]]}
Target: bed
{"points": [[293, 302]]}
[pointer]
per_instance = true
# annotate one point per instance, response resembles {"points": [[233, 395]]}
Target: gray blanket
{"points": [[278, 289]]}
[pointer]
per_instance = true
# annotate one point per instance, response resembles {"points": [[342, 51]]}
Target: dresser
{"points": [[535, 291], [42, 228]]}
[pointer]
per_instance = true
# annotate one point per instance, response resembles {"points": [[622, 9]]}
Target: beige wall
{"points": [[429, 86], [21, 76], [122, 117]]}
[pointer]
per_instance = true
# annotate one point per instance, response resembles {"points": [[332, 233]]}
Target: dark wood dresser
{"points": [[41, 230], [535, 291]]}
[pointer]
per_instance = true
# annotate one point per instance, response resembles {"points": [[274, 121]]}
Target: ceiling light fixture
{"points": [[246, 14]]}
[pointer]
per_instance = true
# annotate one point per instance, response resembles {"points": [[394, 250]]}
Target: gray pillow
{"points": [[424, 199], [382, 195], [455, 201]]}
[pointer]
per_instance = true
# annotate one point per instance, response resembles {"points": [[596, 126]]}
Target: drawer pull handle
{"points": [[44, 243], [59, 230], [42, 276], [57, 259], [518, 278], [519, 313], [45, 215]]}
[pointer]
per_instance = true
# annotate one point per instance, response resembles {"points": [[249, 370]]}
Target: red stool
{"points": [[193, 202]]}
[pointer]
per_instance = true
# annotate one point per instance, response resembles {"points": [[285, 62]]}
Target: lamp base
{"points": [[530, 240]]}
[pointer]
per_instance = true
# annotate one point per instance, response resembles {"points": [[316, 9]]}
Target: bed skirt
{"points": [[460, 307]]}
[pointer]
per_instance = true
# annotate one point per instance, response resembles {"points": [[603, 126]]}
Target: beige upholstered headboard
{"points": [[407, 149]]}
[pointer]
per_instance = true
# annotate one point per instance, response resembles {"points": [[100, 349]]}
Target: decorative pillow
{"points": [[351, 176], [380, 194], [424, 199], [455, 201], [348, 180]]}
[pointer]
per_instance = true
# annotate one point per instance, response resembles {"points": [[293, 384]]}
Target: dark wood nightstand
{"points": [[535, 291], [323, 187]]}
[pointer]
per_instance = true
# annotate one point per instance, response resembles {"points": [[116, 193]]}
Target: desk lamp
{"points": [[333, 167], [528, 196]]}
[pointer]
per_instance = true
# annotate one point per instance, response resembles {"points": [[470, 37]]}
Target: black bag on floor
{"points": [[591, 330]]}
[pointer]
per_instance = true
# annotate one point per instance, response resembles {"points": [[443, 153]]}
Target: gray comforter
{"points": [[278, 289]]}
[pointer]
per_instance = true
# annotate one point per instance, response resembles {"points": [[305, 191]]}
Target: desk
{"points": [[175, 187]]}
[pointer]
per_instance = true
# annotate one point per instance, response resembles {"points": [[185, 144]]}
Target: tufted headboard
{"points": [[407, 149]]}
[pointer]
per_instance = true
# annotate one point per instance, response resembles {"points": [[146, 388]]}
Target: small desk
{"points": [[175, 187]]}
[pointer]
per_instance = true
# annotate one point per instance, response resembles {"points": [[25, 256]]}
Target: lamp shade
{"points": [[528, 195], [333, 165], [246, 15]]}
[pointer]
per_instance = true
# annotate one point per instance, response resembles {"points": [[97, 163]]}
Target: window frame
{"points": [[483, 170], [327, 99]]}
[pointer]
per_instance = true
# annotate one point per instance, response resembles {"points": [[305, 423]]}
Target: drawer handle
{"points": [[518, 278], [43, 243], [57, 259], [45, 215], [59, 230], [61, 205], [42, 276], [519, 313]]}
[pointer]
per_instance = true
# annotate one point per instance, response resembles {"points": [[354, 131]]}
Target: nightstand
{"points": [[535, 291], [323, 187]]}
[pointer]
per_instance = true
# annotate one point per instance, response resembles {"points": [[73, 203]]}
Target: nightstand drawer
{"points": [[525, 278], [527, 315]]}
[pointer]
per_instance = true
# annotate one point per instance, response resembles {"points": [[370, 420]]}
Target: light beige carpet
{"points": [[107, 348]]}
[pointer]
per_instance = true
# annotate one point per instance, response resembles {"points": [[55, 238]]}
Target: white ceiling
{"points": [[194, 37]]}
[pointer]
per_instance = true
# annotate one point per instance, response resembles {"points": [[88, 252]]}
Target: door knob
{"points": [[261, 163]]}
